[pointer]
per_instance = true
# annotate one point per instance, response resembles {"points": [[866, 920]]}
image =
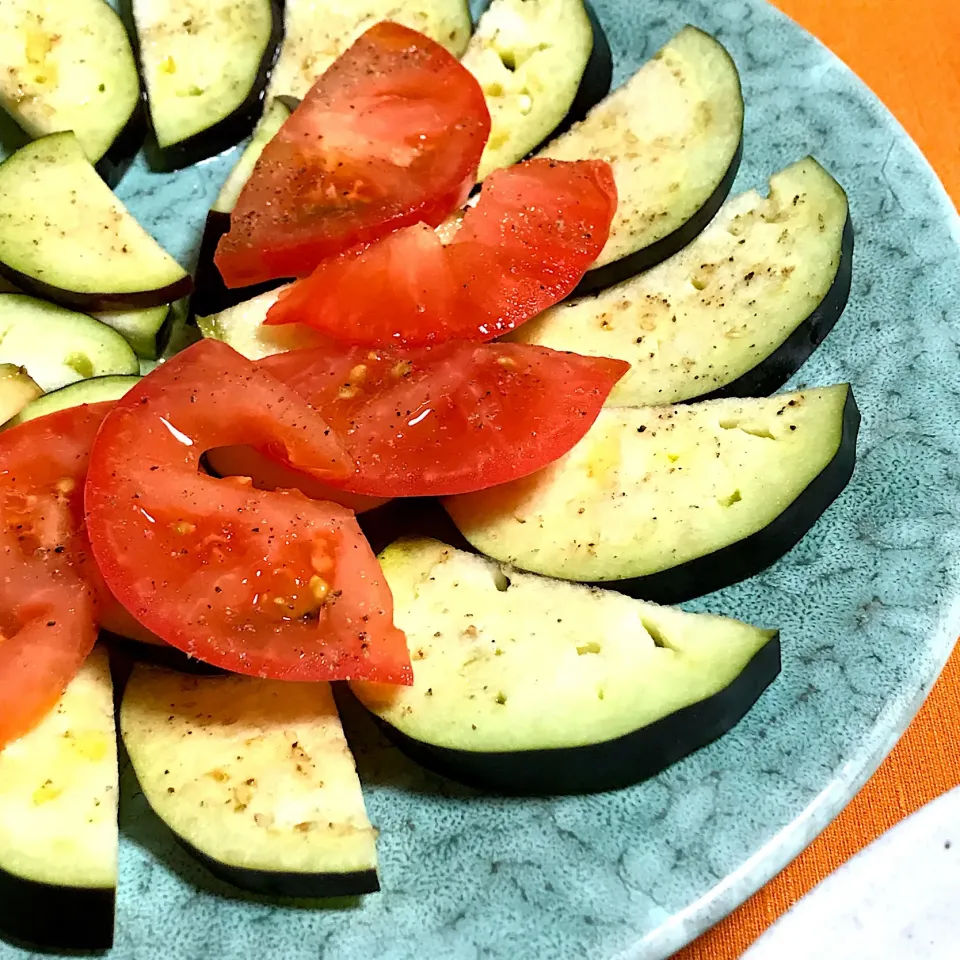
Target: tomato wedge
{"points": [[525, 246], [49, 585], [455, 418], [391, 134], [261, 583]]}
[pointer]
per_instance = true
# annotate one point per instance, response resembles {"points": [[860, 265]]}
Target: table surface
{"points": [[908, 52]]}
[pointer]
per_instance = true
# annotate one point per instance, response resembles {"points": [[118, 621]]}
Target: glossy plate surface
{"points": [[867, 606]]}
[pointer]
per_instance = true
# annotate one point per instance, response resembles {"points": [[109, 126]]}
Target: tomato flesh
{"points": [[455, 418], [534, 233], [262, 583], [391, 134], [49, 584]]}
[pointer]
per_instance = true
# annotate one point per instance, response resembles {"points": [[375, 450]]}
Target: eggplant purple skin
{"points": [[211, 294], [634, 263], [773, 372], [307, 886], [47, 917], [116, 161], [231, 129], [612, 764], [95, 302]]}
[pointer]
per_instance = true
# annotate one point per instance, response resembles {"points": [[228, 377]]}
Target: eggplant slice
{"points": [[211, 294], [241, 327], [255, 779], [318, 31], [59, 346], [542, 66], [673, 136], [206, 67], [17, 391], [534, 686], [669, 503], [58, 821], [69, 65], [736, 312], [65, 237]]}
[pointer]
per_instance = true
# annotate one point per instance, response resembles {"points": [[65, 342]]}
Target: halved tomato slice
{"points": [[268, 584], [49, 585], [534, 233], [458, 417], [391, 134]]}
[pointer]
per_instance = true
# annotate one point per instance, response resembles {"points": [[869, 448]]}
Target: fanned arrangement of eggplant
{"points": [[736, 312], [197, 503], [672, 134], [669, 503], [68, 65]]}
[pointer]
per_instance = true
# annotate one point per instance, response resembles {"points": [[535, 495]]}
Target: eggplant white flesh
{"points": [[528, 685], [669, 503], [736, 312], [255, 778], [672, 134], [59, 837]]}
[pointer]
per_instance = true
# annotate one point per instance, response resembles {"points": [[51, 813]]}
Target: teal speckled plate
{"points": [[867, 606]]}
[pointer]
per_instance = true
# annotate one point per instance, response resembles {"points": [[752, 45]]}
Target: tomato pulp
{"points": [[391, 134], [535, 231], [49, 584], [261, 583], [455, 418]]}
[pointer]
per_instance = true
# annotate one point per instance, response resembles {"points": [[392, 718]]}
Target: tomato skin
{"points": [[260, 583], [534, 233], [455, 418], [391, 134], [49, 585]]}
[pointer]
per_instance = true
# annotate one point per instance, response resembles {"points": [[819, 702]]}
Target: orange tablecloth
{"points": [[908, 52]]}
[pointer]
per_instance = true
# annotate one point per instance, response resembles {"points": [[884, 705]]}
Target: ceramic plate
{"points": [[867, 607], [896, 899]]}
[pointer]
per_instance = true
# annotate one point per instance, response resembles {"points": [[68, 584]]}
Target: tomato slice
{"points": [[455, 418], [267, 473], [391, 134], [49, 585], [261, 583], [537, 228]]}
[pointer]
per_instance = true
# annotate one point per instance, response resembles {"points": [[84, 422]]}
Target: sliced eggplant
{"points": [[255, 779], [673, 136], [144, 329], [68, 65], [318, 31], [669, 503], [59, 346], [736, 312], [542, 66], [65, 236], [94, 390], [526, 685], [17, 390], [211, 294], [58, 821], [205, 65], [242, 328]]}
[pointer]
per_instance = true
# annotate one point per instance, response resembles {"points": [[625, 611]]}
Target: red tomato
{"points": [[390, 135], [266, 473], [458, 417], [525, 246], [48, 581], [267, 584]]}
